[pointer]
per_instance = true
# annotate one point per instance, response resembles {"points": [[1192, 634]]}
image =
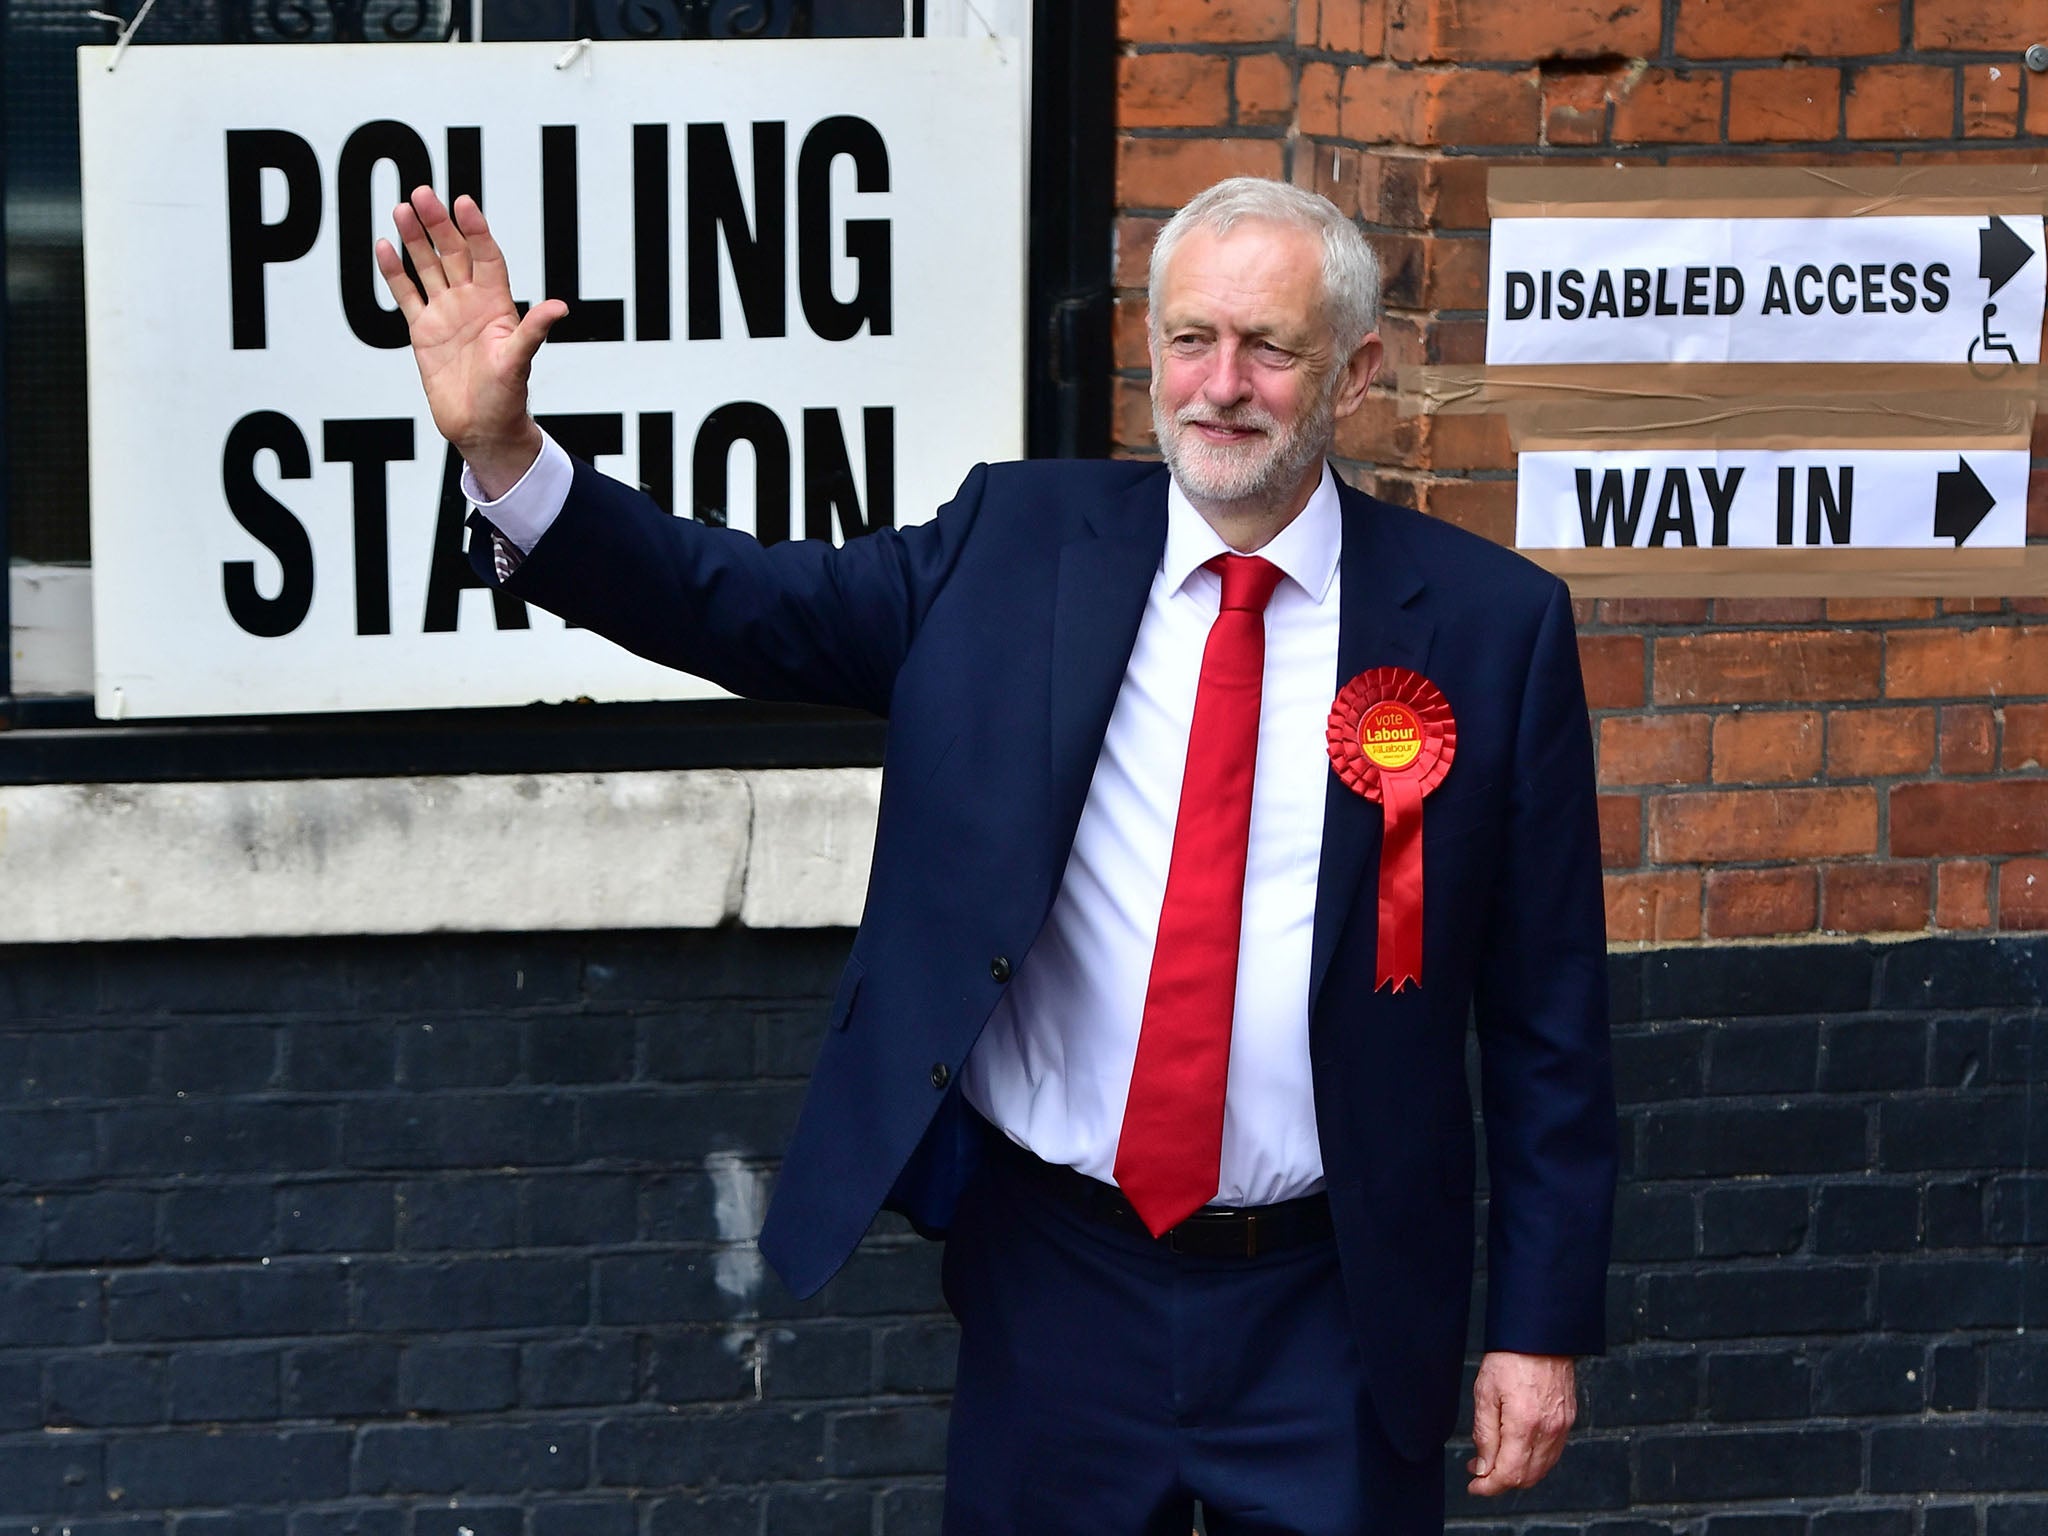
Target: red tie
{"points": [[1168, 1157]]}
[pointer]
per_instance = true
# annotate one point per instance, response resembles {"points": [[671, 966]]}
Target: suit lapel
{"points": [[1379, 625], [1105, 575]]}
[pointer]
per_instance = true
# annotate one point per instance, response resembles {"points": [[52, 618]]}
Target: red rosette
{"points": [[1391, 738], [1391, 685]]}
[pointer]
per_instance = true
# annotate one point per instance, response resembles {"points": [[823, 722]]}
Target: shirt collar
{"points": [[1306, 549]]}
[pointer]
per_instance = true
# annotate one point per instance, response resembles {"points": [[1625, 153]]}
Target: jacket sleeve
{"points": [[1540, 1007], [799, 620]]}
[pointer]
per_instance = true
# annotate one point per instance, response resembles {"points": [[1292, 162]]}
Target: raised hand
{"points": [[473, 349]]}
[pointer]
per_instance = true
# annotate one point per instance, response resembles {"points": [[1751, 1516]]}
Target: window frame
{"points": [[56, 738]]}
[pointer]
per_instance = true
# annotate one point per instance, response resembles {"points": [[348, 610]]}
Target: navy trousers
{"points": [[1106, 1385]]}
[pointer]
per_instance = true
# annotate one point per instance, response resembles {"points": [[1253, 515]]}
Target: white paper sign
{"points": [[1809, 498], [1869, 289], [795, 277]]}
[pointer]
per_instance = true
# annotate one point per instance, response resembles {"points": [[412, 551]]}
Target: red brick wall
{"points": [[1767, 768]]}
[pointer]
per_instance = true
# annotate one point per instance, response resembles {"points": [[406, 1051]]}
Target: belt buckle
{"points": [[1250, 1219], [1251, 1234]]}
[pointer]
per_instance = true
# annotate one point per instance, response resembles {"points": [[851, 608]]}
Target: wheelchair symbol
{"points": [[1992, 341]]}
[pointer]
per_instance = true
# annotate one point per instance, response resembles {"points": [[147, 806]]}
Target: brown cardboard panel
{"points": [[1799, 572], [1881, 388], [1782, 192], [1767, 406], [1966, 422]]}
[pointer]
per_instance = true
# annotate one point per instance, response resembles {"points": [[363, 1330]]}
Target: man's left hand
{"points": [[1522, 1409]]}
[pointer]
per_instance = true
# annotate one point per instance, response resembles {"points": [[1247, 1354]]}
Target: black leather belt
{"points": [[1214, 1232]]}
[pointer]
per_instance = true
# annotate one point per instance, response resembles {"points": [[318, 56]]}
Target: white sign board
{"points": [[1868, 289], [1808, 498], [795, 273]]}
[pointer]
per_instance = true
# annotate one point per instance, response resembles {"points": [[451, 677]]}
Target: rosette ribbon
{"points": [[1392, 738]]}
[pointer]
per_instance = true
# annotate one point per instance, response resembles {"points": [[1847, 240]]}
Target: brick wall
{"points": [[1827, 1294], [407, 1237], [1769, 768], [437, 1236]]}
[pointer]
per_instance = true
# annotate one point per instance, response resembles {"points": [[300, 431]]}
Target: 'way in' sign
{"points": [[1810, 498]]}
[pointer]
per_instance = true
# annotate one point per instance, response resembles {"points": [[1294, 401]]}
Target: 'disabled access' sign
{"points": [[1876, 289]]}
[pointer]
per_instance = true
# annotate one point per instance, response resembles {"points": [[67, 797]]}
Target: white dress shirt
{"points": [[1053, 1067]]}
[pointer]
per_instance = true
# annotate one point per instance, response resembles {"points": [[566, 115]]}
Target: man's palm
{"points": [[466, 343], [473, 349]]}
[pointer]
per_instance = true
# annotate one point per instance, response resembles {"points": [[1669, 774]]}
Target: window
{"points": [[44, 524]]}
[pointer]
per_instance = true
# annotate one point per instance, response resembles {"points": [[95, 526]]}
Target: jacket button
{"points": [[941, 1074], [1000, 967]]}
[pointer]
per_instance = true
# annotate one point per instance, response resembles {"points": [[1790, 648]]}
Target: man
{"points": [[1143, 952]]}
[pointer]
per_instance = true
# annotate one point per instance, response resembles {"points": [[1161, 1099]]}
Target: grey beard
{"points": [[1228, 475]]}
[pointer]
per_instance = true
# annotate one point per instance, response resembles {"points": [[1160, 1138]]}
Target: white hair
{"points": [[1351, 273]]}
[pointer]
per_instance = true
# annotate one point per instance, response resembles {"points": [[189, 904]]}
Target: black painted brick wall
{"points": [[1828, 1299], [425, 1236], [365, 1238]]}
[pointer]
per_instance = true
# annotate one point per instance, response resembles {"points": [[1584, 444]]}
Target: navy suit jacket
{"points": [[994, 638]]}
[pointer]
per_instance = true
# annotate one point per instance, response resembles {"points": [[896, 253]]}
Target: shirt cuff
{"points": [[530, 508]]}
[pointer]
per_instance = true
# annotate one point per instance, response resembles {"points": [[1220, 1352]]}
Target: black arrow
{"points": [[1960, 502], [2000, 253]]}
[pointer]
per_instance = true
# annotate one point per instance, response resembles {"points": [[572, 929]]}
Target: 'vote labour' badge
{"points": [[1391, 738]]}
